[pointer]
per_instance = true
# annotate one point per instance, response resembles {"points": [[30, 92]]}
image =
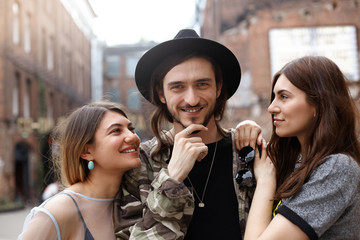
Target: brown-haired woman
{"points": [[315, 150], [95, 146]]}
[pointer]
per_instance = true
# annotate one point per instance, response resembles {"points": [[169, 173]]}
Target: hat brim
{"points": [[223, 56]]}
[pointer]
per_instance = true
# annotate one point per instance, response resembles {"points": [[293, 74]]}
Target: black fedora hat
{"points": [[188, 40]]}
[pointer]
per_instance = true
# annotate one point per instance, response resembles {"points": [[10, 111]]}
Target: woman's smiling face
{"points": [[116, 146]]}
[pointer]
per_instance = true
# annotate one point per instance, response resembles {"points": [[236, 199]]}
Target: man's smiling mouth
{"points": [[191, 110]]}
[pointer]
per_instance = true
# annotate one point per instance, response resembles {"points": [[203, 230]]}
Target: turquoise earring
{"points": [[91, 165]]}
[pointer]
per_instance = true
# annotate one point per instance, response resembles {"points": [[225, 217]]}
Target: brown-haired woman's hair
{"points": [[162, 114], [335, 128], [70, 137]]}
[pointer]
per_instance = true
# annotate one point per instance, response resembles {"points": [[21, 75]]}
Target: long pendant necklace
{"points": [[201, 200]]}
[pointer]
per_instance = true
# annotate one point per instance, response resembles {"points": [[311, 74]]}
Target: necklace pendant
{"points": [[201, 204]]}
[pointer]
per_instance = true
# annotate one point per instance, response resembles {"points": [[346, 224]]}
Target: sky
{"points": [[131, 21]]}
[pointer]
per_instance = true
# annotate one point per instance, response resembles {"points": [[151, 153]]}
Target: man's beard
{"points": [[204, 123]]}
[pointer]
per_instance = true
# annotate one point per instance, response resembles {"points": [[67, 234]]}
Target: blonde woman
{"points": [[97, 145]]}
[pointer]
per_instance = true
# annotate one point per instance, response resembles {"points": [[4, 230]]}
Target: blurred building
{"points": [[266, 34], [119, 84], [45, 71]]}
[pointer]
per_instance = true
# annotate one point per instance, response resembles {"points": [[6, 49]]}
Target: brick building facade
{"points": [[251, 28], [45, 58]]}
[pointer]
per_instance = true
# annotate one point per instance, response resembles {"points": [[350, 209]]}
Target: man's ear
{"points": [[160, 93], [87, 153]]}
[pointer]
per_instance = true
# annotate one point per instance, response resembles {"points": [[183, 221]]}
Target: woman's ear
{"points": [[87, 153], [314, 112]]}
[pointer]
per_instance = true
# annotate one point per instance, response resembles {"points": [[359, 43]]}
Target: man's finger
{"points": [[194, 129]]}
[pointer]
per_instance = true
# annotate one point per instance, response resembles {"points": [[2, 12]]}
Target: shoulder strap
{"points": [[88, 235]]}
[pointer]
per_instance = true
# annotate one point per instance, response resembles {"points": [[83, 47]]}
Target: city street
{"points": [[11, 223]]}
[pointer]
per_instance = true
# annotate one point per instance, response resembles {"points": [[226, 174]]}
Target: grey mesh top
{"points": [[92, 215], [328, 205], [88, 235]]}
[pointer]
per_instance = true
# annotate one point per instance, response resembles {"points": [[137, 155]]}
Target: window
{"points": [[131, 65], [50, 54], [16, 23], [339, 43], [43, 48], [133, 99], [79, 77], [27, 98], [85, 85], [68, 68], [15, 96], [61, 63], [114, 95], [27, 34], [49, 106], [113, 66]]}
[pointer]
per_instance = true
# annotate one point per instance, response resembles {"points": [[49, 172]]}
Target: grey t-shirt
{"points": [[328, 205]]}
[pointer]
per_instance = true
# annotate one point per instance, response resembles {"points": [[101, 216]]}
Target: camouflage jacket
{"points": [[151, 205]]}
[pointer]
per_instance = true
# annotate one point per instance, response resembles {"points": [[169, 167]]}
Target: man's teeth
{"points": [[129, 151], [191, 110]]}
